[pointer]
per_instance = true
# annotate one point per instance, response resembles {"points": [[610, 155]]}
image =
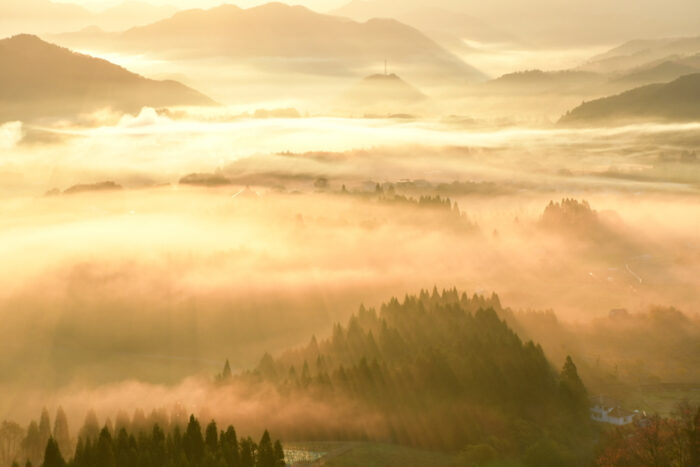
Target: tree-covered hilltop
{"points": [[173, 442], [444, 371], [675, 101]]}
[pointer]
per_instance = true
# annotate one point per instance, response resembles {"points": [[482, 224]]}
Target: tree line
{"points": [[444, 371], [138, 443]]}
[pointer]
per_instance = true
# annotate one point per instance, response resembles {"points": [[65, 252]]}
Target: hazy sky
{"points": [[321, 5]]}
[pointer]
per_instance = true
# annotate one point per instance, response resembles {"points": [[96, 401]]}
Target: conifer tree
{"points": [[44, 427], [91, 427], [229, 447], [52, 455], [193, 442], [279, 455], [571, 388], [61, 433], [266, 454], [226, 372], [247, 453], [105, 451], [211, 439], [31, 445]]}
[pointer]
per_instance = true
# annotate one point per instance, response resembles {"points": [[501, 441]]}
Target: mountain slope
{"points": [[431, 369], [565, 23], [44, 16], [384, 89], [446, 25], [643, 53], [291, 36], [661, 73], [545, 82], [675, 101], [42, 80]]}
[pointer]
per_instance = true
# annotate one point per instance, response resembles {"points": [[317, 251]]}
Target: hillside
{"points": [[42, 80], [638, 54], [467, 371], [45, 16], [678, 100], [661, 73], [446, 25], [545, 82], [288, 38], [566, 23], [380, 89]]}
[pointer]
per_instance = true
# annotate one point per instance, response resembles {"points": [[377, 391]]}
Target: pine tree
{"points": [[79, 455], [226, 373], [193, 442], [105, 450], [52, 455], [279, 455], [229, 447], [695, 439], [44, 427], [61, 433], [32, 445], [247, 453], [211, 439], [571, 388], [91, 427], [266, 453]]}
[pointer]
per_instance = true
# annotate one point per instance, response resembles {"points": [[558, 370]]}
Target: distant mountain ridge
{"points": [[663, 72], [444, 24], [643, 53], [286, 34], [571, 23], [544, 82], [678, 100], [44, 16], [42, 80]]}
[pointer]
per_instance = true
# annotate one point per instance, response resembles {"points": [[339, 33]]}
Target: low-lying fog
{"points": [[289, 224]]}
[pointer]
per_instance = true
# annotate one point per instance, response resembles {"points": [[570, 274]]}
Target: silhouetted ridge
{"points": [[40, 79], [280, 31], [675, 101]]}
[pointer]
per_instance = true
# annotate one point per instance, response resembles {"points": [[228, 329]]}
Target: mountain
{"points": [[387, 89], [45, 16], [40, 15], [132, 13], [42, 80], [287, 38], [447, 26], [661, 73], [565, 23], [643, 53], [545, 82], [675, 101]]}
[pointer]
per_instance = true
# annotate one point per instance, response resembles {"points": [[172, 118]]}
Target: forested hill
{"points": [[443, 369], [675, 101]]}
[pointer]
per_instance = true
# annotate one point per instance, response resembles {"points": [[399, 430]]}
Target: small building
{"points": [[605, 412]]}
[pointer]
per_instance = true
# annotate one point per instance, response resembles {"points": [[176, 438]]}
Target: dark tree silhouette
{"points": [[52, 455]]}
